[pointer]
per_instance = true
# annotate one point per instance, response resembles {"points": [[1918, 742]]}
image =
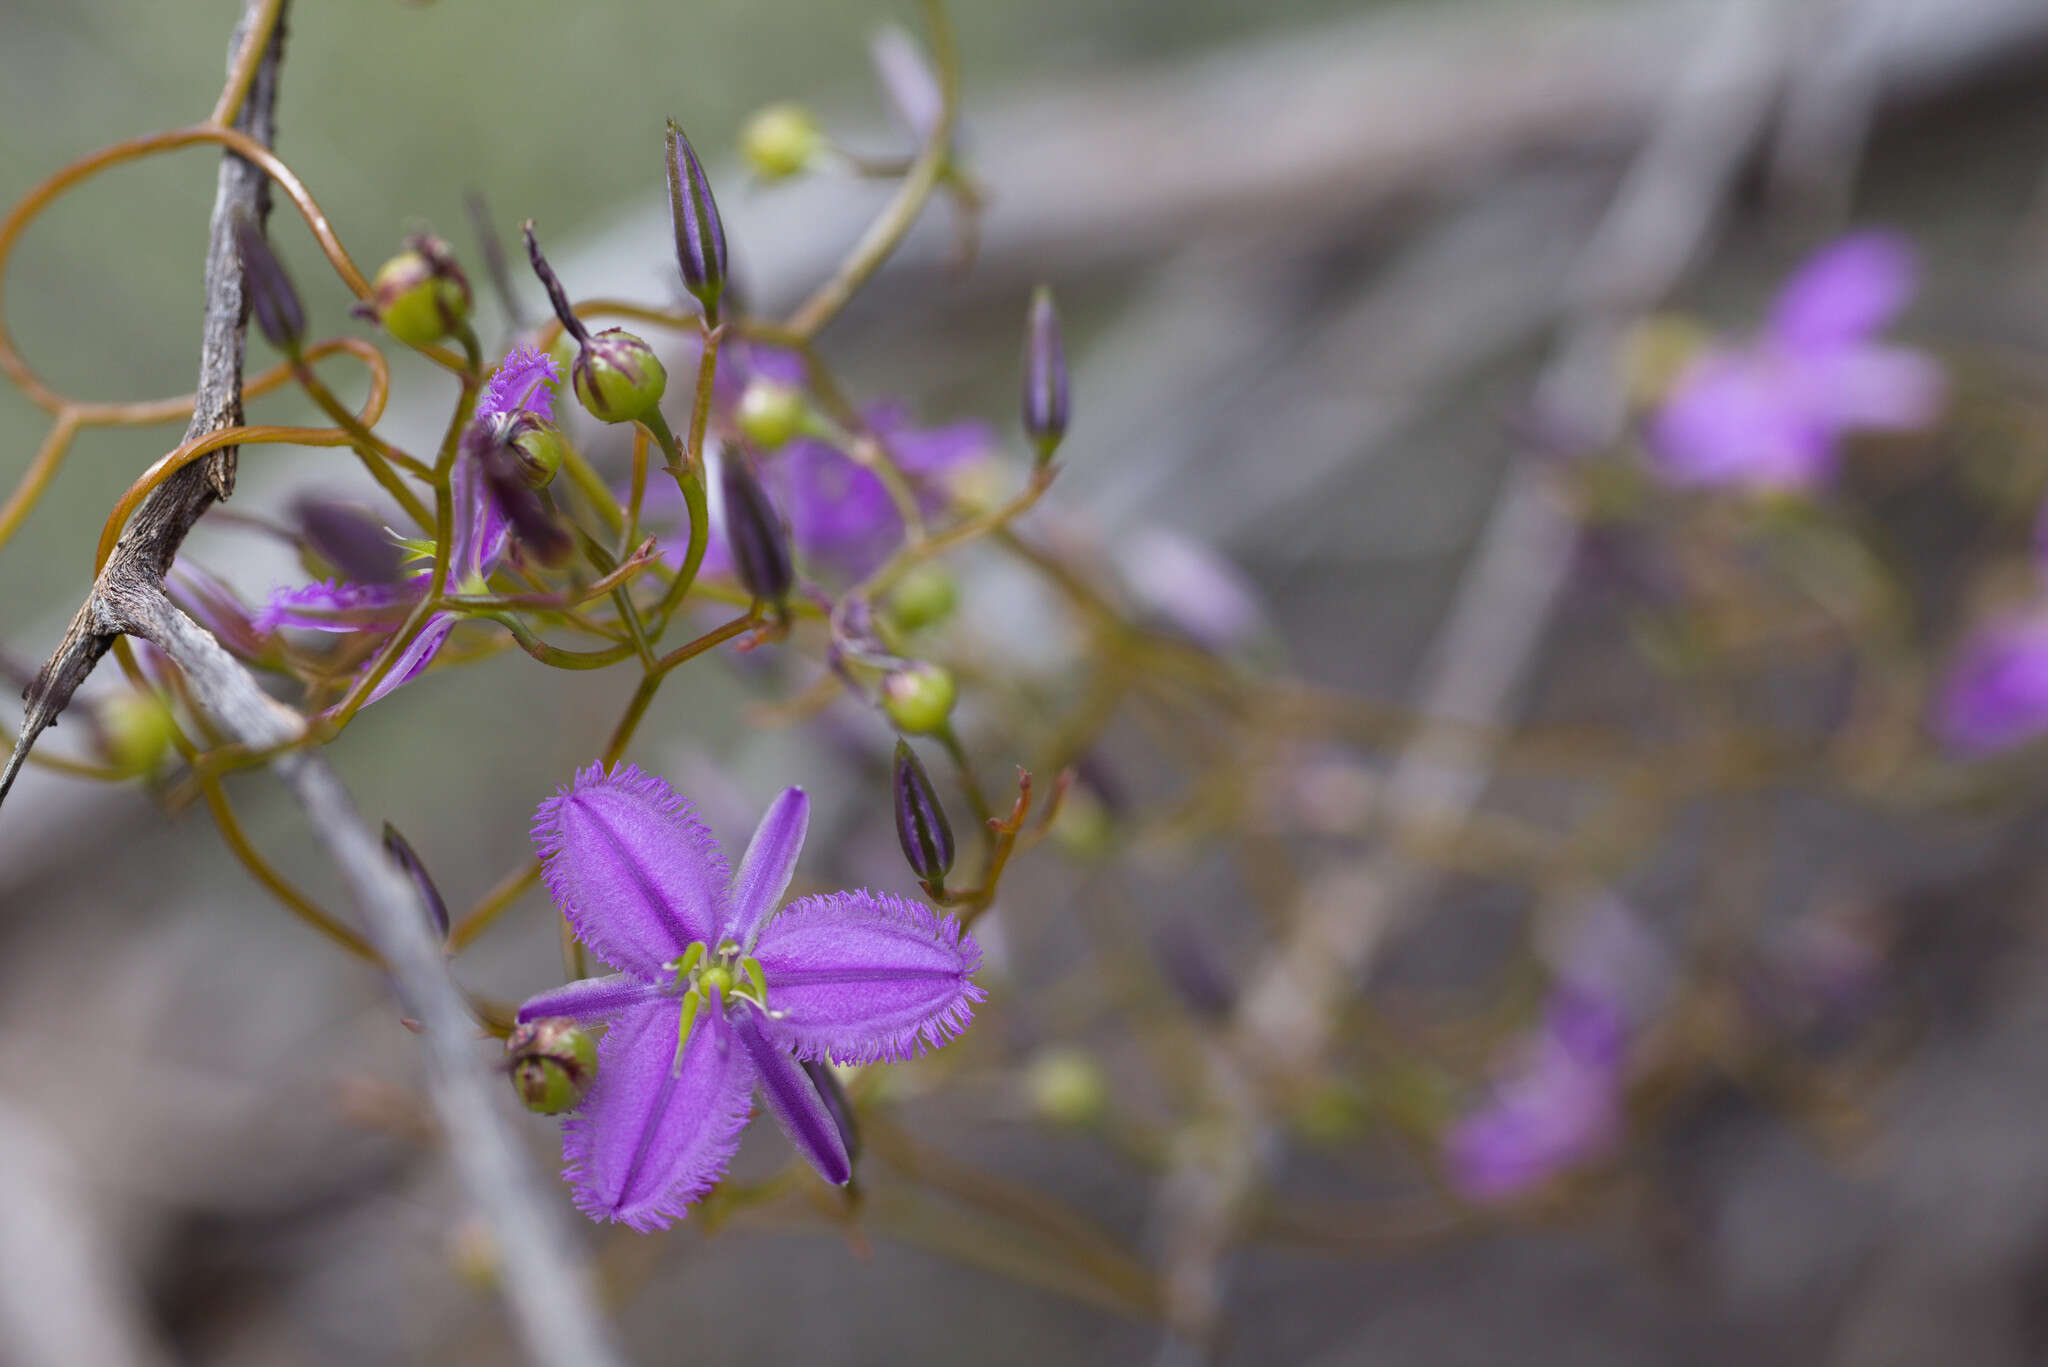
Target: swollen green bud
{"points": [[552, 1061], [919, 699], [539, 450], [770, 413], [1066, 1086], [136, 729], [923, 597], [780, 140], [420, 295], [618, 377]]}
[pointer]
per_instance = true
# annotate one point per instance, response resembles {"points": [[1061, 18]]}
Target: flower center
{"points": [[699, 970]]}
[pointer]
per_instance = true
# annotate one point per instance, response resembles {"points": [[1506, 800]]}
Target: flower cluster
{"points": [[519, 392]]}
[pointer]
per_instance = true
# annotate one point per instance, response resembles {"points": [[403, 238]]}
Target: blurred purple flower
{"points": [[841, 519], [1769, 414], [1558, 1102], [719, 992], [1996, 695], [1557, 1106], [1192, 588], [520, 385]]}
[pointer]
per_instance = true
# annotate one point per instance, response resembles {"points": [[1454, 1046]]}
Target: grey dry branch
{"points": [[547, 1287], [150, 542]]}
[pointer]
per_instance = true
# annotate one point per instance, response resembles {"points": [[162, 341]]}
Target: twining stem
{"points": [[888, 230]]}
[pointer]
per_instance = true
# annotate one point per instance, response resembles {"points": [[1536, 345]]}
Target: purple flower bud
{"points": [[402, 854], [700, 236], [754, 532], [1045, 375], [267, 289], [921, 823], [553, 1061], [351, 539], [837, 1104]]}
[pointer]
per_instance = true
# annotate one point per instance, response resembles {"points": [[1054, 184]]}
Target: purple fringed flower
{"points": [[719, 992], [1996, 695], [1769, 415], [520, 385]]}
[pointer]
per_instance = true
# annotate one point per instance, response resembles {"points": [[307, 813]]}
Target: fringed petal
{"points": [[632, 868], [521, 384], [651, 1138], [792, 1097], [338, 606], [766, 868], [592, 999], [862, 977]]}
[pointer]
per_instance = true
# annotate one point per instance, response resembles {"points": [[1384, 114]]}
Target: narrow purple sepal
{"points": [[632, 868], [558, 298], [1045, 374], [650, 1139], [837, 1103], [792, 1098], [414, 659], [863, 977], [754, 533], [593, 999], [767, 866], [700, 235], [272, 300], [401, 851]]}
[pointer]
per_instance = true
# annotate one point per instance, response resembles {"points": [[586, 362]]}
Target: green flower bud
{"points": [[919, 699], [923, 597], [552, 1061], [769, 413], [780, 140], [420, 295], [136, 729], [618, 377], [1066, 1086], [539, 449]]}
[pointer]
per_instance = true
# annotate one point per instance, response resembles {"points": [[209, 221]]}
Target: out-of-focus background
{"points": [[1325, 268]]}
